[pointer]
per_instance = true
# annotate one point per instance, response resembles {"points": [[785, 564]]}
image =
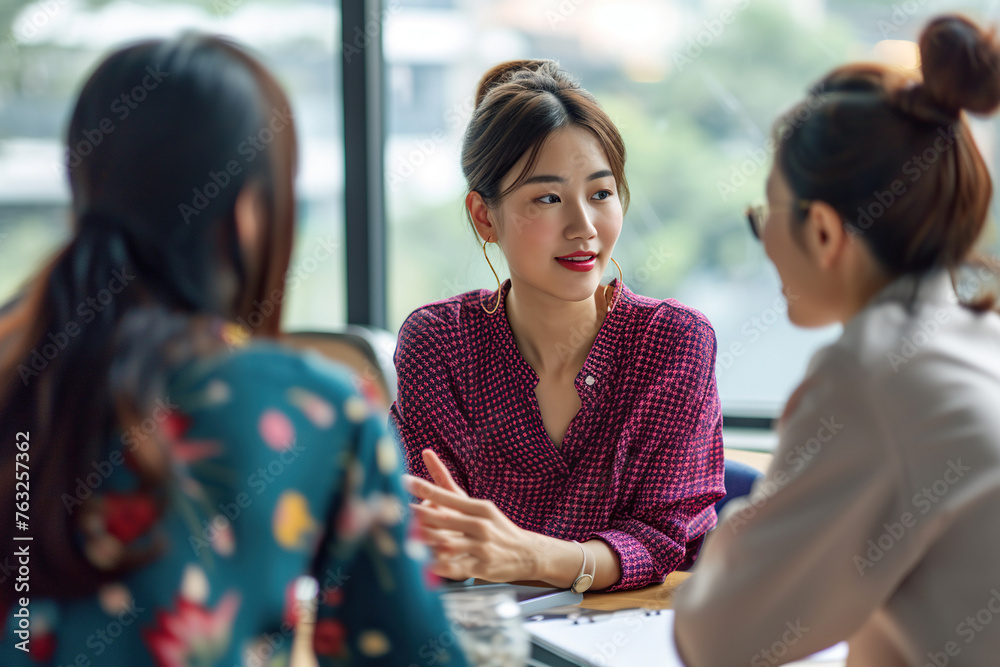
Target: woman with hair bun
{"points": [[558, 429], [876, 522]]}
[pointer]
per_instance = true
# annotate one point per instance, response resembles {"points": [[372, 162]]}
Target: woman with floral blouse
{"points": [[558, 429], [177, 481]]}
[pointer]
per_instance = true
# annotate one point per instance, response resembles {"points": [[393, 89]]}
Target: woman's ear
{"points": [[480, 214], [825, 235], [249, 214]]}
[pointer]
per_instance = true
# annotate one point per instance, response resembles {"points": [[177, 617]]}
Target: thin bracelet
{"points": [[593, 576], [581, 583]]}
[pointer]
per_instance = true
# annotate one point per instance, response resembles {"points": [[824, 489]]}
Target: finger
{"points": [[461, 567], [457, 547], [427, 503], [436, 518], [443, 497], [416, 518], [439, 471], [450, 543], [433, 537], [415, 489]]}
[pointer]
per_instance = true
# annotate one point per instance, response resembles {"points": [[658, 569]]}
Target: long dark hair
{"points": [[518, 104], [894, 154], [164, 137]]}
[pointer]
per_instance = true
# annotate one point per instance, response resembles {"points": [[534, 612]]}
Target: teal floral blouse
{"points": [[283, 470]]}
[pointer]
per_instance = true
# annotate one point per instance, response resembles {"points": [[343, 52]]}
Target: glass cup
{"points": [[488, 626]]}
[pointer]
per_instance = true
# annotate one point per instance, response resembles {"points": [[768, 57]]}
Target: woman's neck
{"points": [[554, 336], [861, 279]]}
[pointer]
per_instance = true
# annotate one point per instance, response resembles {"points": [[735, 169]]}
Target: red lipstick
{"points": [[581, 260]]}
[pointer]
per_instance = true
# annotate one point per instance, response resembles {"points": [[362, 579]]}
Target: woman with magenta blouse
{"points": [[557, 429]]}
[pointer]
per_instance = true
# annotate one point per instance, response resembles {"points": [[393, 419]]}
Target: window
{"points": [[50, 49]]}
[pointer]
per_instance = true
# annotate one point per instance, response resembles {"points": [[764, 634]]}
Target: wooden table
{"points": [[758, 460], [657, 596]]}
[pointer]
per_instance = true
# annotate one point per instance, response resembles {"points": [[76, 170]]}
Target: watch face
{"points": [[582, 583]]}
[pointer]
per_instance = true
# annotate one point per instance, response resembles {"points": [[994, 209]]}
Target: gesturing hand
{"points": [[469, 537]]}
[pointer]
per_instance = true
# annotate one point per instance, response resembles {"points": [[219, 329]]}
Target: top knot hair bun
{"points": [[552, 76], [961, 65]]}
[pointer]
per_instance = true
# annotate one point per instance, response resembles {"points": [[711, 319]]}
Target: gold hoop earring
{"points": [[621, 281], [498, 282]]}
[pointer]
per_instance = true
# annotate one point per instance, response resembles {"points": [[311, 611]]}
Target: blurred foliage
{"points": [[19, 56], [696, 139], [39, 80]]}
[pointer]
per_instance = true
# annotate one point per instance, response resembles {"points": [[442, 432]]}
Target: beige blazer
{"points": [[878, 521]]}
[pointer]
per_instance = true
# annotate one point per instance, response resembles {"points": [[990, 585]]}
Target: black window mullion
{"points": [[364, 132]]}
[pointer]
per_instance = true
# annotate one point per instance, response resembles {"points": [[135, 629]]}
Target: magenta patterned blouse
{"points": [[641, 463]]}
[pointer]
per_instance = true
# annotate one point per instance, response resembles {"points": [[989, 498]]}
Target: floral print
{"points": [[128, 515], [294, 527], [193, 634], [285, 484]]}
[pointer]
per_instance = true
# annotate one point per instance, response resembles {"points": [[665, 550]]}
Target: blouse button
{"points": [[590, 380]]}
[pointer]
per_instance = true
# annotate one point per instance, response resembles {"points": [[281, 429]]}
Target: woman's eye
{"points": [[549, 199], [602, 195]]}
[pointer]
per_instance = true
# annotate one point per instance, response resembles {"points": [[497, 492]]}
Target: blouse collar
{"points": [[910, 290], [932, 286], [603, 352]]}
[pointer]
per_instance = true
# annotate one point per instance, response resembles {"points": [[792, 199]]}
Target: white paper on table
{"points": [[629, 638]]}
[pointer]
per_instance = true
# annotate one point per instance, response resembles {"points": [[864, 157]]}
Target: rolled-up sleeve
{"points": [[675, 472]]}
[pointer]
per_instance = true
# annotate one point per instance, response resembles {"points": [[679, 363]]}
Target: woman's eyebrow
{"points": [[544, 178], [549, 178]]}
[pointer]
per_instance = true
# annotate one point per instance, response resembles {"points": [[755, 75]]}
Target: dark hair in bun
{"points": [[961, 65], [518, 104], [505, 71], [893, 153]]}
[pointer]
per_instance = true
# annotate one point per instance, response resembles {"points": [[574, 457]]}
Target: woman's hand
{"points": [[469, 537]]}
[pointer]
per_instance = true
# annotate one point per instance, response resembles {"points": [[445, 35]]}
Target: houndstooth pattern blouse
{"points": [[641, 463]]}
